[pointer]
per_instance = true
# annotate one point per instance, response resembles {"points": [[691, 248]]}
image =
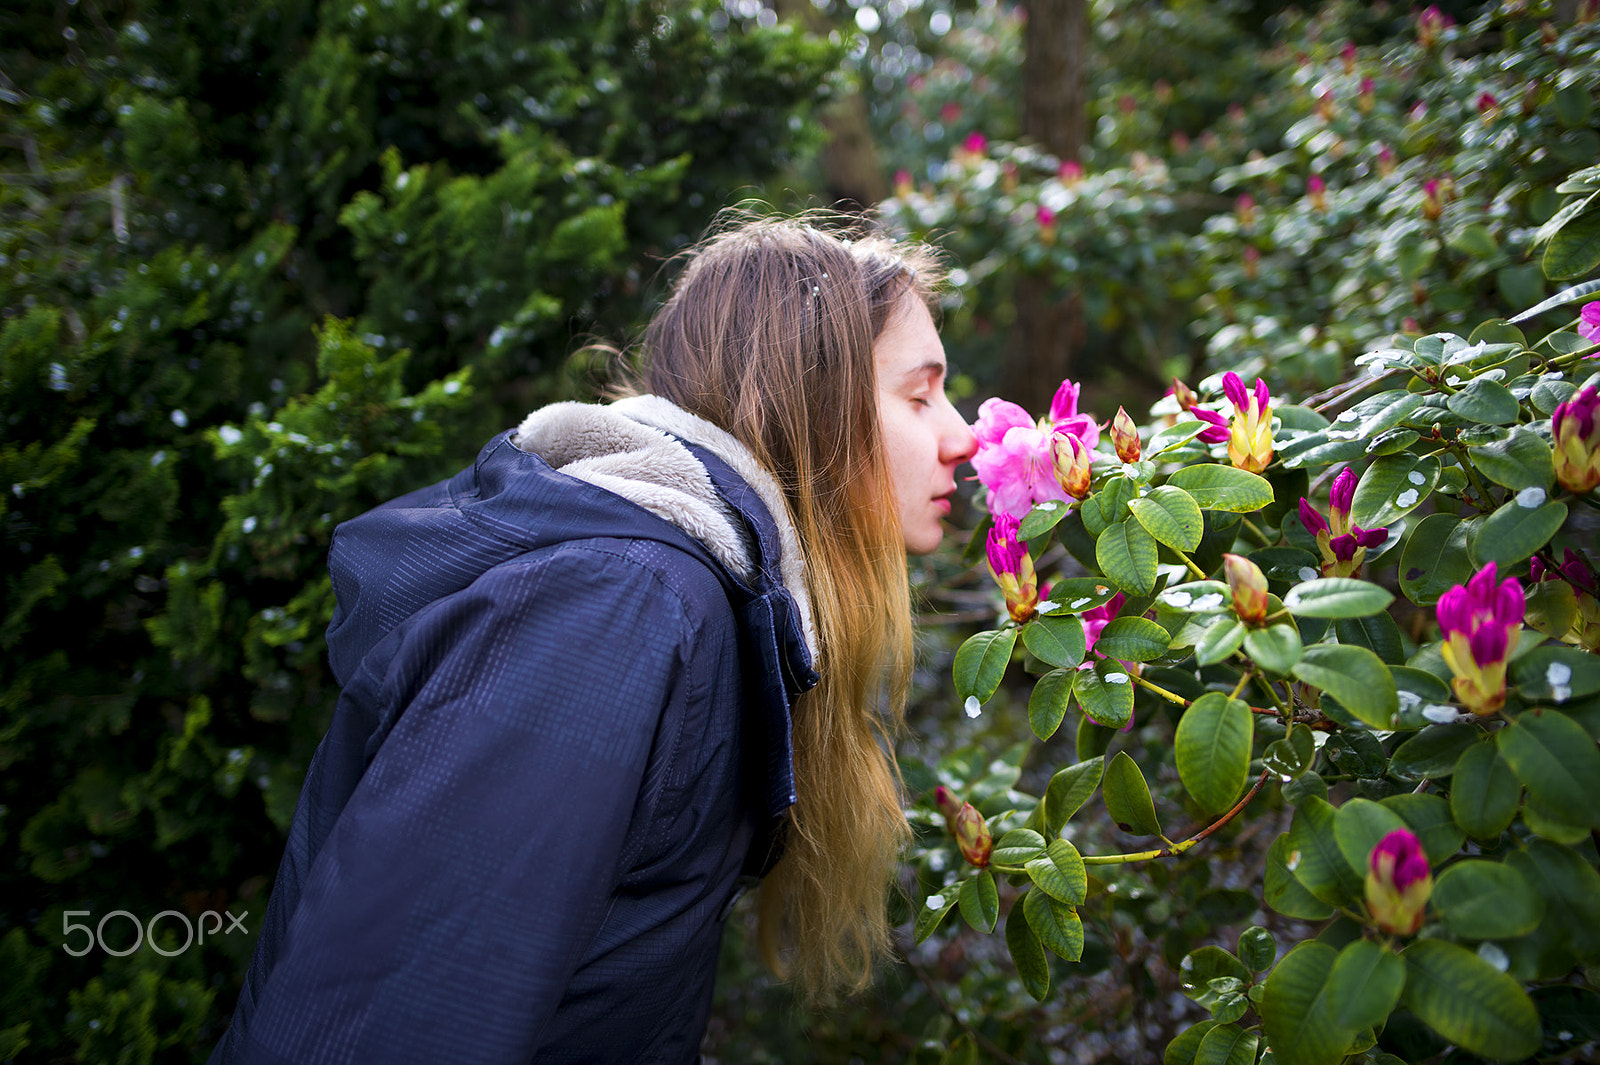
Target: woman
{"points": [[632, 657]]}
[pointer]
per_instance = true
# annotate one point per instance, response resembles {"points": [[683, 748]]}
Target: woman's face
{"points": [[925, 437]]}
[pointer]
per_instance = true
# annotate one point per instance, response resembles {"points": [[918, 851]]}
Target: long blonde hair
{"points": [[769, 334]]}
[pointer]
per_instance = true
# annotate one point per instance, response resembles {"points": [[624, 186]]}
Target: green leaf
{"points": [[1182, 1049], [1484, 792], [1557, 762], [1378, 633], [1127, 555], [1132, 639], [1429, 817], [1322, 449], [981, 662], [1296, 1013], [1215, 487], [1485, 401], [1017, 847], [932, 911], [1435, 559], [1128, 797], [1315, 857], [1552, 607], [1570, 887], [1220, 640], [980, 901], [1257, 948], [1205, 969], [1227, 1044], [1575, 250], [1556, 674], [1364, 985], [1434, 751], [1068, 790], [1514, 532], [1027, 953], [1105, 693], [1520, 461], [1469, 1001], [1358, 826], [1481, 899], [1354, 676], [1107, 506], [1379, 413], [963, 1050], [1171, 516], [1042, 518], [1047, 705], [1573, 294], [1293, 754], [1060, 873], [1336, 597], [1213, 750], [1275, 648], [1175, 435], [1074, 595], [1056, 924], [1055, 641], [1393, 487], [1282, 889]]}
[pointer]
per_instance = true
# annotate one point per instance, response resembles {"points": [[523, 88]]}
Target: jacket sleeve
{"points": [[460, 884]]}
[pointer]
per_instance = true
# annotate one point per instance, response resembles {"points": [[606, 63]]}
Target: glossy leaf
{"points": [[1047, 705], [1128, 797], [1378, 633], [1520, 461], [1068, 790], [1434, 751], [1570, 887], [1428, 816], [1296, 1013], [1574, 250], [1364, 985], [1220, 640], [1556, 674], [1107, 506], [1132, 639], [1213, 750], [1186, 1044], [1055, 641], [1557, 762], [1514, 532], [1354, 676], [1293, 754], [1074, 595], [932, 912], [1027, 953], [1227, 1044], [1127, 555], [1392, 487], [1060, 873], [979, 899], [1105, 693], [1336, 597], [1485, 401], [1282, 889], [1315, 857], [1170, 515], [1042, 518], [1358, 825], [1017, 847], [1469, 1001], [1056, 924], [981, 662], [1215, 487], [1484, 792], [1379, 413], [1435, 559], [1481, 899], [1275, 648]]}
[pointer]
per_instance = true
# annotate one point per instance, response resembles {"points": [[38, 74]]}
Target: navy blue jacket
{"points": [[561, 745]]}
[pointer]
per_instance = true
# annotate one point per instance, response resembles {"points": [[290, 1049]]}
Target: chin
{"points": [[924, 541]]}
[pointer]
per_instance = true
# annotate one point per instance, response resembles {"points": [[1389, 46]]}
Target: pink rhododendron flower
{"points": [[1343, 544], [1012, 568], [1095, 620], [1015, 459], [1575, 426], [1250, 430], [1589, 322], [1480, 620]]}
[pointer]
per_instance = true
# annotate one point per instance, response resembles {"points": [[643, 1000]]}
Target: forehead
{"points": [[909, 344]]}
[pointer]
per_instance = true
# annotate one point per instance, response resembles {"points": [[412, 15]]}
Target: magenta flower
{"points": [[1070, 172], [1095, 620], [1480, 621], [1250, 437], [1317, 192], [1575, 426], [1045, 217], [1012, 568], [1217, 431], [1488, 106], [975, 144], [1399, 883], [1431, 23], [1343, 544], [1589, 322], [1015, 460]]}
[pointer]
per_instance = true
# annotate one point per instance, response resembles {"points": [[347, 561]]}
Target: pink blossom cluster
{"points": [[1015, 459]]}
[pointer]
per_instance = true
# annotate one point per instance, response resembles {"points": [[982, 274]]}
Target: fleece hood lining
{"points": [[624, 448]]}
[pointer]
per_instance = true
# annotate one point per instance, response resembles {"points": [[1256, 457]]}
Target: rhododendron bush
{"points": [[1374, 608]]}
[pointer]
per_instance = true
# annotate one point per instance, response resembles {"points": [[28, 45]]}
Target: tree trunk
{"points": [[1050, 327]]}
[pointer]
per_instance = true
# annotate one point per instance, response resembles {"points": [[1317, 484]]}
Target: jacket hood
{"points": [[574, 471]]}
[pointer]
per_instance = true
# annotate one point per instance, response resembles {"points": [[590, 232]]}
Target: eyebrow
{"points": [[935, 366]]}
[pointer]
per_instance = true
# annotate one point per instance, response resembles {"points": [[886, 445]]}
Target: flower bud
{"points": [[1398, 883], [1073, 471], [1317, 192], [1575, 426], [948, 805], [1480, 621], [1185, 396], [972, 835], [1340, 496], [1249, 587], [1125, 436], [1012, 568], [1250, 439]]}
